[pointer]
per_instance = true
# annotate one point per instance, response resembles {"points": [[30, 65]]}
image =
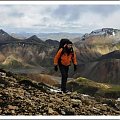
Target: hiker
{"points": [[63, 59]]}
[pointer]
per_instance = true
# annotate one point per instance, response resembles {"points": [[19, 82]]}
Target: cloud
{"points": [[97, 21], [59, 18], [25, 16]]}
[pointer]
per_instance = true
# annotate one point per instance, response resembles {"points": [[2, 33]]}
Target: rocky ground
{"points": [[31, 98]]}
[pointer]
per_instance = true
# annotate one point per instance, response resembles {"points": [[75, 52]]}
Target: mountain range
{"points": [[97, 54], [45, 36]]}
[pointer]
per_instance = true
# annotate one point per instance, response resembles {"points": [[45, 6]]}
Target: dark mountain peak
{"points": [[34, 37], [49, 40], [4, 36], [2, 31], [52, 42]]}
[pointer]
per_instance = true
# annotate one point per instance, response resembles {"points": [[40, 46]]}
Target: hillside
{"points": [[106, 71], [99, 42], [26, 53], [112, 55], [25, 97], [98, 55], [96, 89]]}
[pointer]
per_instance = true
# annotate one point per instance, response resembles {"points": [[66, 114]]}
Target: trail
{"points": [[32, 98], [56, 78]]}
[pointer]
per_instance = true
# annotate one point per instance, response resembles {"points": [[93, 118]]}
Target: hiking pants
{"points": [[64, 74]]}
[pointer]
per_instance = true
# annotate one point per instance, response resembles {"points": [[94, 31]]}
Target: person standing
{"points": [[63, 58]]}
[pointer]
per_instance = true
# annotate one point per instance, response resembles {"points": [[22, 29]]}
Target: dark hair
{"points": [[63, 42], [69, 42]]}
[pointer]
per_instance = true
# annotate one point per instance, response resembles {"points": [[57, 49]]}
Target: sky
{"points": [[58, 18]]}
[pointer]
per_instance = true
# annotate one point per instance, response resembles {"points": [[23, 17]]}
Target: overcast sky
{"points": [[58, 18]]}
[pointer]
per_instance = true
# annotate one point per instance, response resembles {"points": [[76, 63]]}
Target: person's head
{"points": [[69, 44], [63, 42]]}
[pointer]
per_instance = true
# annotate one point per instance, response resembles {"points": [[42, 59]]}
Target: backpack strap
{"points": [[59, 60]]}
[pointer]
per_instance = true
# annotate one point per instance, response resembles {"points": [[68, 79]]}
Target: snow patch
{"points": [[55, 90]]}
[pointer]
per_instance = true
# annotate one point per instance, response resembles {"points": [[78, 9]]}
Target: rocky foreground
{"points": [[24, 97]]}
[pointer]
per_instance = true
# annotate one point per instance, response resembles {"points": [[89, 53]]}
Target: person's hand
{"points": [[75, 67], [56, 68]]}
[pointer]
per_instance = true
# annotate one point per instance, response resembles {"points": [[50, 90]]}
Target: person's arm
{"points": [[57, 56], [74, 59]]}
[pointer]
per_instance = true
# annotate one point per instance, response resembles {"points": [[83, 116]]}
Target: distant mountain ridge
{"points": [[100, 32], [21, 53], [45, 36], [7, 38]]}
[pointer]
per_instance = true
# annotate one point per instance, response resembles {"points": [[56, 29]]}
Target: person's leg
{"points": [[64, 73]]}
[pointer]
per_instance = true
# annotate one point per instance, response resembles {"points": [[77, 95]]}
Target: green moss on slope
{"points": [[86, 86]]}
